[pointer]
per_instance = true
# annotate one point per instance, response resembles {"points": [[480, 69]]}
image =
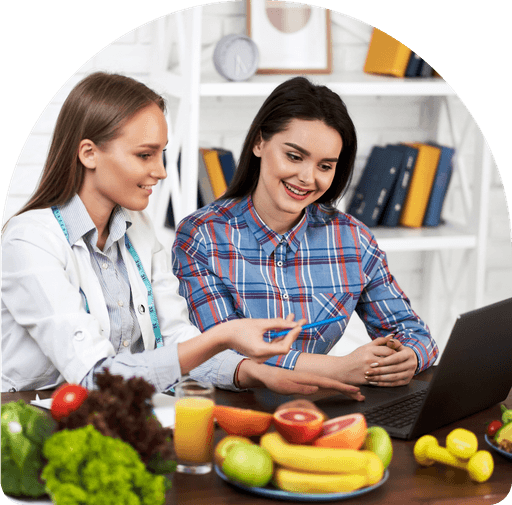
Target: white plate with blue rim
{"points": [[498, 449], [272, 492]]}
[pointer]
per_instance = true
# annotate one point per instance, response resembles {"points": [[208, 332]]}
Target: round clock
{"points": [[236, 57]]}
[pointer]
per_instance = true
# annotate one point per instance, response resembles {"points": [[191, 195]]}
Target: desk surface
{"points": [[408, 483]]}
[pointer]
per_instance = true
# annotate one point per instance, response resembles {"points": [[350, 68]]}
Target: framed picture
{"points": [[292, 38]]}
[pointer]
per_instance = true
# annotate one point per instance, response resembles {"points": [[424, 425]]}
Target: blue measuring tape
{"points": [[142, 273]]}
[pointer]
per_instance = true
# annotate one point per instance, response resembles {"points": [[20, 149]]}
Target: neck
{"points": [[279, 222], [100, 215]]}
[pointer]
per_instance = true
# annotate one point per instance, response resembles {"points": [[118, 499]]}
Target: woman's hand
{"points": [[287, 382], [352, 367], [395, 369], [246, 336]]}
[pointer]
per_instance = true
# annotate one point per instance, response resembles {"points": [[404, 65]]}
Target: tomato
{"points": [[67, 399], [493, 427]]}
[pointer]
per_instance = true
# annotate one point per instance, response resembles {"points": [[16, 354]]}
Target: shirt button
{"points": [[120, 303], [141, 309], [285, 296], [279, 263], [104, 266], [126, 343], [79, 335]]}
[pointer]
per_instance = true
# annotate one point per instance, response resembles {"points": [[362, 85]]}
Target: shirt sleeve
{"points": [[160, 367], [384, 308], [208, 299]]}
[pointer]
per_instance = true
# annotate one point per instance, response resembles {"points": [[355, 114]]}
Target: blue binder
{"points": [[440, 186], [391, 213], [373, 189]]}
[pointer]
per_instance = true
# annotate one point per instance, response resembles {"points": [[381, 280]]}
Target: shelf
{"points": [[353, 84], [348, 84], [447, 236]]}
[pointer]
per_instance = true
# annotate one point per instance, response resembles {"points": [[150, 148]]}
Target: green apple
{"points": [[378, 441], [247, 464], [225, 445]]}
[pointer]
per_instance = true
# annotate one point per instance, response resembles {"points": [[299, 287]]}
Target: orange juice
{"points": [[193, 429]]}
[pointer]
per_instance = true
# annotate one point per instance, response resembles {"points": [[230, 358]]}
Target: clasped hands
{"points": [[387, 362]]}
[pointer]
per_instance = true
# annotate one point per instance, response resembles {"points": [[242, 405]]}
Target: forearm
{"points": [[252, 374], [199, 349], [325, 365]]}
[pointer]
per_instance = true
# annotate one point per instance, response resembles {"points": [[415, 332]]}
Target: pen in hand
{"points": [[310, 325]]}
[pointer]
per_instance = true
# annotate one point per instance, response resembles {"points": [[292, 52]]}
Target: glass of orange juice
{"points": [[193, 426]]}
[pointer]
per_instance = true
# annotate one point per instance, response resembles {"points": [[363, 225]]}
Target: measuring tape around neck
{"points": [[142, 273]]}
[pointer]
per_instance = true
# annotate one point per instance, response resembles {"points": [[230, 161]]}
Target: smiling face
{"points": [[124, 171], [297, 167]]}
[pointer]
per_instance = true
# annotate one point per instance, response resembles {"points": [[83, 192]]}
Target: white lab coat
{"points": [[47, 335]]}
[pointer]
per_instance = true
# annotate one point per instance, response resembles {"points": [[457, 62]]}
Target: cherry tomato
{"points": [[493, 427], [67, 399]]}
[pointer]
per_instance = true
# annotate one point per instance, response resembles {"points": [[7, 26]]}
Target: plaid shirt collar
{"points": [[267, 237]]}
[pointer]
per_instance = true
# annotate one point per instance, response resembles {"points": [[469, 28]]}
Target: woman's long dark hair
{"points": [[96, 109], [297, 98]]}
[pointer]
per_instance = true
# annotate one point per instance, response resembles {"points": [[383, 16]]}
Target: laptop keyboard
{"points": [[397, 414]]}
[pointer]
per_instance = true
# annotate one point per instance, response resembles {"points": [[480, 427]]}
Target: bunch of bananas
{"points": [[310, 469]]}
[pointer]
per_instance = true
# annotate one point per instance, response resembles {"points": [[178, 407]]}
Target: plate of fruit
{"points": [[499, 433], [298, 454]]}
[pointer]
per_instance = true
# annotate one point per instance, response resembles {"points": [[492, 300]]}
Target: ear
{"points": [[256, 148], [87, 153]]}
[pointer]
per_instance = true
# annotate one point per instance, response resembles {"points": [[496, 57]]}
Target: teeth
{"points": [[145, 187], [296, 191]]}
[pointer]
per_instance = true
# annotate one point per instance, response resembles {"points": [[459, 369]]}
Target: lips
{"points": [[296, 192]]}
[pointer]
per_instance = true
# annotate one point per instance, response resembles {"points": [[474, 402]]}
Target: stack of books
{"points": [[403, 185], [216, 168], [387, 56]]}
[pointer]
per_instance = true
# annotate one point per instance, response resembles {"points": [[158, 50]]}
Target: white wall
{"points": [[378, 120]]}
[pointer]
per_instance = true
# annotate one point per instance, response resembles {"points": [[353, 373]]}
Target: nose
{"points": [[305, 174], [159, 171]]}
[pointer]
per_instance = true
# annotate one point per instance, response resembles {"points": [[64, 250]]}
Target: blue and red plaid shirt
{"points": [[232, 265]]}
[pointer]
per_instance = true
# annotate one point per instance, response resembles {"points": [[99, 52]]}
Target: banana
{"points": [[307, 482], [321, 459]]}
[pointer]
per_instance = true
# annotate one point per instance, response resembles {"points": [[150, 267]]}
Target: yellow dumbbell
{"points": [[479, 466], [462, 443]]}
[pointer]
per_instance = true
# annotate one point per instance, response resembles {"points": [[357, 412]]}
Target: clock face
{"points": [[236, 57]]}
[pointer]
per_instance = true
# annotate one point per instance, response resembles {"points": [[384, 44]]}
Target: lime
{"points": [[378, 441], [247, 464]]}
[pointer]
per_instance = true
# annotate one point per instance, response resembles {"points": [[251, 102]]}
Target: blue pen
{"points": [[310, 325]]}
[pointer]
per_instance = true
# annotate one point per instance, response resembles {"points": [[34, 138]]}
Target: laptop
{"points": [[473, 373]]}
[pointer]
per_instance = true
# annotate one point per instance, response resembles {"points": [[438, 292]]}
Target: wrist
{"points": [[218, 337], [248, 373]]}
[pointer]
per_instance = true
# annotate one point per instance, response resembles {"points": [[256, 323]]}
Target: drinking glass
{"points": [[193, 428]]}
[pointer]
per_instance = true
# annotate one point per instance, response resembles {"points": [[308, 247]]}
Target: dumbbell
{"points": [[479, 465]]}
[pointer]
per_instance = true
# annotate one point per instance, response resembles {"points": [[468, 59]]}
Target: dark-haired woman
{"points": [[275, 244], [85, 283]]}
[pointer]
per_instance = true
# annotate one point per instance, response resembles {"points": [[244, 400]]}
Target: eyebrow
{"points": [[307, 153], [152, 145]]}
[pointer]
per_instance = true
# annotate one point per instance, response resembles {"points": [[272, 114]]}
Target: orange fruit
{"points": [[242, 422], [344, 432], [298, 425]]}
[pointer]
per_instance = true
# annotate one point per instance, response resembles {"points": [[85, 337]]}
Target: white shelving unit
{"points": [[190, 85]]}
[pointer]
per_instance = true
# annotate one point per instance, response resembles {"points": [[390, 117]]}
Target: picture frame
{"points": [[292, 38]]}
